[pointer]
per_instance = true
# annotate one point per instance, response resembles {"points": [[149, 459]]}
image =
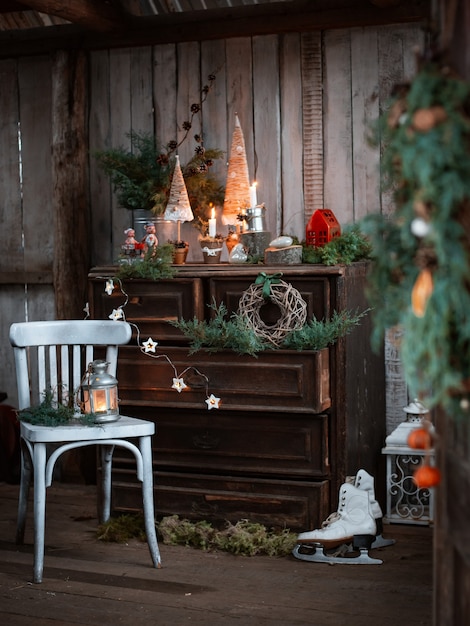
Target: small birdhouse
{"points": [[321, 228]]}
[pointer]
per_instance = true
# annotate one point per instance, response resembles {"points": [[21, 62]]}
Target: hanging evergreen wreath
{"points": [[421, 275]]}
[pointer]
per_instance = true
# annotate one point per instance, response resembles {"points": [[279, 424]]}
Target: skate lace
{"points": [[330, 519]]}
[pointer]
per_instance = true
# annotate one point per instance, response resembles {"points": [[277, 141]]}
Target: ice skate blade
{"points": [[315, 553], [380, 542]]}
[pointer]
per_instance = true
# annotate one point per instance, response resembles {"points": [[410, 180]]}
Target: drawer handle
{"points": [[205, 441]]}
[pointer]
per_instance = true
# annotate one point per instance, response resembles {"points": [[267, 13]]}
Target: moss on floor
{"points": [[243, 538]]}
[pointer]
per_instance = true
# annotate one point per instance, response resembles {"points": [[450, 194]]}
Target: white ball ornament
{"points": [[419, 227]]}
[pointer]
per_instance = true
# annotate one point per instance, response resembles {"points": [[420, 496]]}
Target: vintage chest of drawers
{"points": [[291, 424]]}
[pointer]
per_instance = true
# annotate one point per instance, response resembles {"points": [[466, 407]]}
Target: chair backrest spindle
{"points": [[63, 349]]}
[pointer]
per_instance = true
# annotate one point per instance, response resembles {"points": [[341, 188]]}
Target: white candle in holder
{"points": [[253, 200], [212, 225]]}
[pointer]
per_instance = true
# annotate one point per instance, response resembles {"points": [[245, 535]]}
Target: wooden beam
{"points": [[242, 21], [9, 6], [69, 164], [94, 15], [23, 278]]}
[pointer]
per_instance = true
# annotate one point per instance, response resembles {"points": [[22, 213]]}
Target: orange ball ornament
{"points": [[426, 476], [420, 439]]}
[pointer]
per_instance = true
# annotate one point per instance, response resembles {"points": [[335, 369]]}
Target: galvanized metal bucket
{"points": [[254, 221]]}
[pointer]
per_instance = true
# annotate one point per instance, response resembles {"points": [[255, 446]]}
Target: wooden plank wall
{"points": [[305, 102]]}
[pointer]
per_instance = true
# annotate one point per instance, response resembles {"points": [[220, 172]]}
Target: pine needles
{"points": [[50, 413], [426, 164], [317, 335], [235, 334], [352, 245], [156, 265], [136, 174], [220, 333]]}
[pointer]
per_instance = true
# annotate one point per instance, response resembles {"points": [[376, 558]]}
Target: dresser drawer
{"points": [[151, 305], [275, 381], [281, 445], [314, 290], [275, 503]]}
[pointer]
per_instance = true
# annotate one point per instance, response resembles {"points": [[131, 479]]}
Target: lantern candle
{"points": [[253, 200], [99, 391], [212, 225]]}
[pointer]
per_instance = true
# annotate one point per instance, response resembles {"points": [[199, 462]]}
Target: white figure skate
{"points": [[363, 480], [348, 534]]}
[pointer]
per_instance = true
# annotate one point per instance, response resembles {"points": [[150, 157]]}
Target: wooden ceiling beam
{"points": [[96, 15], [241, 21]]}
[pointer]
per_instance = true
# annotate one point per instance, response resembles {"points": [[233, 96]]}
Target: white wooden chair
{"points": [[53, 356]]}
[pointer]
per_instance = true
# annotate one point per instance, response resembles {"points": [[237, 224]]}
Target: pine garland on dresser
{"points": [[421, 272]]}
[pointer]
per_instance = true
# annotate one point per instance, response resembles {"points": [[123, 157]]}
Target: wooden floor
{"points": [[97, 584]]}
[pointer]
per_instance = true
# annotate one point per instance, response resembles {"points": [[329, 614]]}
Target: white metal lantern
{"points": [[99, 392], [406, 503]]}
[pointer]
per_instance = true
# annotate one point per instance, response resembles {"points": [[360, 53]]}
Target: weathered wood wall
{"points": [[305, 102]]}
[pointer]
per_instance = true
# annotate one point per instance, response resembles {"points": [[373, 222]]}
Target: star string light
{"points": [[149, 346], [179, 384], [117, 314], [212, 402]]}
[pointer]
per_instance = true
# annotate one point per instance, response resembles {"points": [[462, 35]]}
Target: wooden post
{"points": [[69, 164]]}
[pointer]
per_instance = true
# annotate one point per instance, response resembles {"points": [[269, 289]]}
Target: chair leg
{"points": [[39, 464], [104, 499], [25, 482], [145, 446]]}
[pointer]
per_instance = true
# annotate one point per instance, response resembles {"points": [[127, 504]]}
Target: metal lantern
{"points": [[406, 503], [99, 392]]}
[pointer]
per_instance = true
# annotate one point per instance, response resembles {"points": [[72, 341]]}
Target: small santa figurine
{"points": [[130, 237], [131, 244]]}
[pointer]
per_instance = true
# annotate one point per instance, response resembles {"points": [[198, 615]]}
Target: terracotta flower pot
{"points": [[180, 253]]}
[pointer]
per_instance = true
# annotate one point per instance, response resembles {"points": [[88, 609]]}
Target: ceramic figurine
{"points": [[238, 254], [130, 234], [150, 240], [130, 245]]}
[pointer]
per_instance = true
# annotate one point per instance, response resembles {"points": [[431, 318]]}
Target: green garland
{"points": [[50, 413], [426, 165], [233, 332], [350, 246], [156, 265]]}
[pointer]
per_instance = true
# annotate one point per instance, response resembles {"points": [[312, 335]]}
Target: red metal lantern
{"points": [[321, 228]]}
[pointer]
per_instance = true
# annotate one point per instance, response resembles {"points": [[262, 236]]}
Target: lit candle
{"points": [[253, 201], [212, 225]]}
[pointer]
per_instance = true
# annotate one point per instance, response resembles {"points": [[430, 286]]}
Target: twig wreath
{"points": [[292, 306]]}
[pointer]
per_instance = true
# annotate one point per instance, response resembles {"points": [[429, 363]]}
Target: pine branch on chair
{"points": [[50, 413]]}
